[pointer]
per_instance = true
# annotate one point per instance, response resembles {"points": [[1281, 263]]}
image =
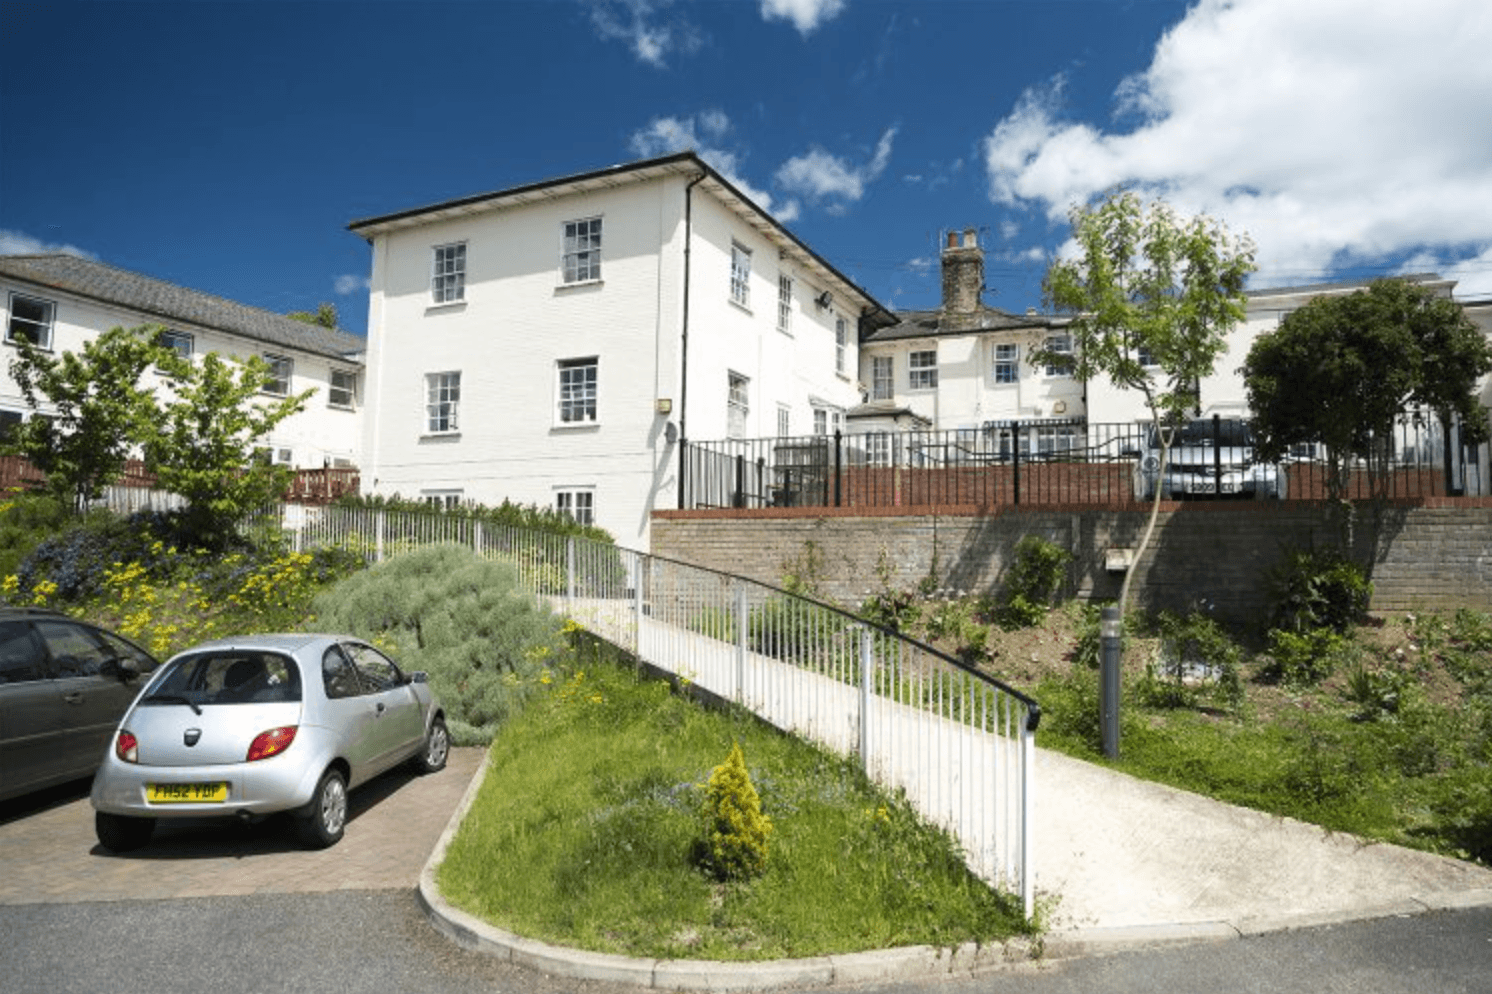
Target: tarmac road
{"points": [[227, 908], [379, 942]]}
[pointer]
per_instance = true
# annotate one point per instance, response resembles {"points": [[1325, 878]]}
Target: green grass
{"points": [[1418, 773], [584, 834]]}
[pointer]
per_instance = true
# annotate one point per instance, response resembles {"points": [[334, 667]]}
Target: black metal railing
{"points": [[1071, 462]]}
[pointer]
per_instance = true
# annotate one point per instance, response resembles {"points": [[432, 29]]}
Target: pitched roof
{"points": [[1283, 291], [687, 164], [170, 303], [940, 324]]}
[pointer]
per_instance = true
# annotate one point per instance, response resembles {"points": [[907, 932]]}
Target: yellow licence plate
{"points": [[186, 793]]}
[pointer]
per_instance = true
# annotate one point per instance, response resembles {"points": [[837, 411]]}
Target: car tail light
{"points": [[270, 743], [127, 747]]}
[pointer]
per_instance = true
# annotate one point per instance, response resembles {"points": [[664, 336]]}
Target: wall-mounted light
{"points": [[824, 299], [663, 405]]}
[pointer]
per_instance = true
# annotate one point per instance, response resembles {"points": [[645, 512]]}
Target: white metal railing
{"points": [[960, 744]]}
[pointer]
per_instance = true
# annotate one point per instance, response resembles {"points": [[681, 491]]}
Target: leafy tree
{"points": [[207, 445], [1342, 369], [99, 410], [325, 316], [1148, 285]]}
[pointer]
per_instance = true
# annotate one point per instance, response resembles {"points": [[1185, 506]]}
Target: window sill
{"points": [[450, 306], [341, 407], [579, 285], [440, 436], [738, 305], [574, 425], [41, 348]]}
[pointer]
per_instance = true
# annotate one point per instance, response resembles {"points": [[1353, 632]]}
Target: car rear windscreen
{"points": [[229, 677]]}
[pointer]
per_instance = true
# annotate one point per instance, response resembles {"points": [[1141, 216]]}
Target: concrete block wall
{"points": [[1218, 554]]}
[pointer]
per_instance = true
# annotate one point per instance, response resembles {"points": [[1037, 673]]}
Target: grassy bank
{"points": [[586, 829]]}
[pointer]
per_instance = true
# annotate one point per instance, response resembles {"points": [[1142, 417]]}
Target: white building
{"points": [[549, 344], [61, 302], [966, 368]]}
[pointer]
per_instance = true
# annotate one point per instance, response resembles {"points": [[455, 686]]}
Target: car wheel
{"points": [[322, 822], [432, 758], [118, 833]]}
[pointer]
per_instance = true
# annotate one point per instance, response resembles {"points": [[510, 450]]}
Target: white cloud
{"points": [[820, 176], [806, 15], [20, 243], [1331, 132], [706, 134], [648, 27], [351, 284]]}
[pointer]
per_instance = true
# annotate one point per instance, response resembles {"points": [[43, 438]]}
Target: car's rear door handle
{"points": [[73, 697]]}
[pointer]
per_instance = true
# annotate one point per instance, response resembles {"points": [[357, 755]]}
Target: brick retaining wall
{"points": [[1435, 554]]}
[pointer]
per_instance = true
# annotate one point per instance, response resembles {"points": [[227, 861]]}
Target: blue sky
{"points": [[225, 146]]}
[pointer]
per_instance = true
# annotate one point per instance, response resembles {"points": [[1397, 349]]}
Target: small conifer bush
{"points": [[736, 831]]}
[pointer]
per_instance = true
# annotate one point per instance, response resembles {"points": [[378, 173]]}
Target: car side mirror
{"points": [[419, 676], [125, 669]]}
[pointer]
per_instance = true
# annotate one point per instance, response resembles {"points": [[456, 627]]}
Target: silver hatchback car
{"points": [[260, 724]]}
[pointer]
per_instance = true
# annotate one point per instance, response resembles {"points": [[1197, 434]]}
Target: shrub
{"points": [[1303, 657], [735, 830], [1196, 656], [1034, 578], [1318, 589], [467, 621]]}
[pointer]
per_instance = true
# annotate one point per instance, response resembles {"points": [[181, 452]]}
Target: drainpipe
{"points": [[684, 335]]}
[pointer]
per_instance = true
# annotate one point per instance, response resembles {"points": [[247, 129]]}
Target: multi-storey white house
{"points": [[550, 344], [61, 302], [966, 367]]}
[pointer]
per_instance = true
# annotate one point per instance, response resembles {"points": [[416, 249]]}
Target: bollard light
{"points": [[1110, 638]]}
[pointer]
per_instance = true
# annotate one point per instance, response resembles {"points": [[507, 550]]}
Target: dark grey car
{"points": [[63, 686]]}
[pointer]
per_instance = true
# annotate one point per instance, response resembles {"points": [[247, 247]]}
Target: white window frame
{"points": [[580, 256], [737, 404], [827, 420], [785, 303], [1006, 369], [882, 377], [784, 420], [443, 500], [740, 275], [577, 386], [878, 448], [1059, 345], [448, 273], [576, 503], [282, 374], [343, 397], [922, 374], [183, 343], [841, 343], [1056, 438], [43, 329], [443, 402]]}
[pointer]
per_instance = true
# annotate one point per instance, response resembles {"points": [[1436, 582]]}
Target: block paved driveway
{"points": [[49, 853]]}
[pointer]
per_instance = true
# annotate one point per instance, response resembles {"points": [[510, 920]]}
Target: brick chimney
{"points": [[963, 272]]}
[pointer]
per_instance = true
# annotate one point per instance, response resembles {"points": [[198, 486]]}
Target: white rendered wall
{"points": [[518, 320], [321, 433]]}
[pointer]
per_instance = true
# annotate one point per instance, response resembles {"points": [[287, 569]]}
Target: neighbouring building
{"points": [[61, 302], [551, 343], [966, 368]]}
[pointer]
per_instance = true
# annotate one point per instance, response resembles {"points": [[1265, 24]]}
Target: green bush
{"points": [[1039, 569], [1303, 657], [25, 520], [735, 830], [483, 639], [1319, 589], [1196, 658]]}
